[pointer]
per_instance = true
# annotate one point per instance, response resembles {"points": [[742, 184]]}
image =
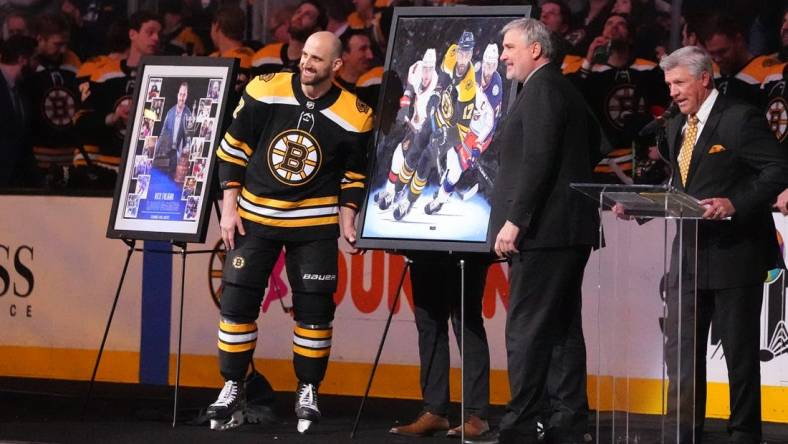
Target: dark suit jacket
{"points": [[17, 163], [736, 157], [547, 141]]}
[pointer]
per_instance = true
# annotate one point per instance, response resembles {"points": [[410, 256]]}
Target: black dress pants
{"points": [[545, 346], [435, 279], [735, 313]]}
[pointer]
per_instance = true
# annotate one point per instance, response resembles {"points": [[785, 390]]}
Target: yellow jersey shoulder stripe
{"points": [[571, 64], [350, 113], [372, 77], [643, 65], [268, 54], [107, 71], [276, 89]]}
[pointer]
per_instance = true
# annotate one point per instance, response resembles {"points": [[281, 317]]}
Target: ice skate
{"points": [[306, 406], [403, 208], [227, 411], [384, 199], [433, 206]]}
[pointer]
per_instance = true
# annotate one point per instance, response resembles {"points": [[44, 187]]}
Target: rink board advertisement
{"points": [[58, 278], [168, 157], [444, 92]]}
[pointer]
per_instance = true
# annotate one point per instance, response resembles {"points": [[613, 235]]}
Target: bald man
{"points": [[292, 169]]}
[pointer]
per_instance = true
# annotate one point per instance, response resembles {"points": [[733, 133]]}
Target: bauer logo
{"points": [[319, 277]]}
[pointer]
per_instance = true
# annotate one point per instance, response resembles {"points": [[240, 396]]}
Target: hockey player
{"points": [[449, 111], [106, 103], [465, 155], [310, 16], [292, 169], [422, 80], [55, 98]]}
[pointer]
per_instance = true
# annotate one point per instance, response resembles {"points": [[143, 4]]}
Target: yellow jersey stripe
{"points": [[284, 204], [312, 334], [311, 353], [237, 328], [229, 348], [289, 223], [238, 143]]}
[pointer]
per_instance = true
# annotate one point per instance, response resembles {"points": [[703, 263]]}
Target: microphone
{"points": [[659, 121]]}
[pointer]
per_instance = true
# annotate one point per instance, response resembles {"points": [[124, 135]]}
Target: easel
{"points": [[408, 262], [182, 251]]}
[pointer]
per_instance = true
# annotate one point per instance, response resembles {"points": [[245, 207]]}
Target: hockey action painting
{"points": [[444, 94]]}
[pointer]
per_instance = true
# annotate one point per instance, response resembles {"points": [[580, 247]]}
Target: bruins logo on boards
{"points": [[59, 107], [294, 157]]}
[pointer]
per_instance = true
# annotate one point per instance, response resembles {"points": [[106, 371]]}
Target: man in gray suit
{"points": [[546, 230]]}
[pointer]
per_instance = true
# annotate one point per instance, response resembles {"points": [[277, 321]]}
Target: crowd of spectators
{"points": [[68, 67]]}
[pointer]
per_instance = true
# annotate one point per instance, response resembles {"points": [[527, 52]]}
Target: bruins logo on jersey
{"points": [[294, 157], [267, 77], [361, 106], [59, 107], [777, 115], [622, 103], [447, 105]]}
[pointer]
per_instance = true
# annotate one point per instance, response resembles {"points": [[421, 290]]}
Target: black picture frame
{"points": [[164, 188], [461, 222]]}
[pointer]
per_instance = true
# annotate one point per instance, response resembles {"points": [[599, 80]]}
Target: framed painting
{"points": [[434, 164], [164, 181]]}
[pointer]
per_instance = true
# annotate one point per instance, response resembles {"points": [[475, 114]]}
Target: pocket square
{"points": [[716, 149]]}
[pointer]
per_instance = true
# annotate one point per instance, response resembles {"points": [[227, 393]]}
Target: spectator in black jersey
{"points": [[740, 72], [17, 164], [178, 38], [623, 91], [309, 17], [357, 57], [106, 102]]}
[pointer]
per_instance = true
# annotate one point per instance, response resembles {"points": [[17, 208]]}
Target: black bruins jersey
{"points": [[746, 83], [457, 95], [272, 58], [774, 86], [297, 160], [55, 100], [111, 85], [623, 100]]}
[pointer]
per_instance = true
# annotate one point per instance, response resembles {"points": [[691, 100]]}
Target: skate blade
{"points": [[303, 425], [232, 422]]}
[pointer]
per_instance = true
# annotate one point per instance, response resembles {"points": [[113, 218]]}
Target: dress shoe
{"points": [[474, 427], [427, 424]]}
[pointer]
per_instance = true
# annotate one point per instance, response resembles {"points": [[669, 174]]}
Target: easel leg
{"points": [[462, 350], [180, 336], [130, 243], [380, 348]]}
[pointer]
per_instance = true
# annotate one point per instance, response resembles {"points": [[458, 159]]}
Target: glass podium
{"points": [[639, 298]]}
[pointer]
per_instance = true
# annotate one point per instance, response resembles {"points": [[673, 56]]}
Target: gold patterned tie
{"points": [[685, 154]]}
